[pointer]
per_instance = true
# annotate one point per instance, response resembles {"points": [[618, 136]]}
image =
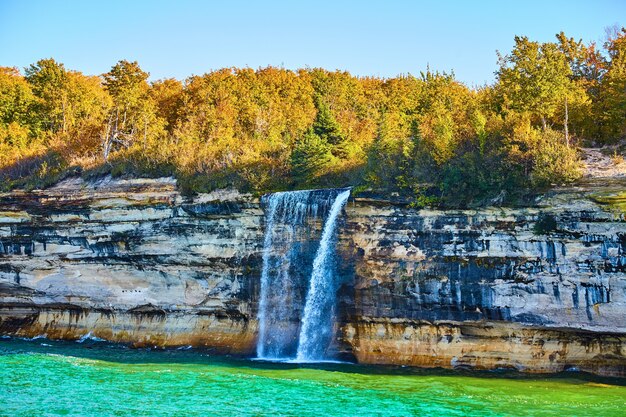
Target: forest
{"points": [[426, 139]]}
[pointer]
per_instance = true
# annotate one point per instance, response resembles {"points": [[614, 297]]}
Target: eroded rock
{"points": [[539, 289]]}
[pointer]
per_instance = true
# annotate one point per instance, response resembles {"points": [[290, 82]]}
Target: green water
{"points": [[95, 379]]}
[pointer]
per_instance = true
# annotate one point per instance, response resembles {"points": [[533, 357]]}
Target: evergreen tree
{"points": [[310, 157], [326, 126]]}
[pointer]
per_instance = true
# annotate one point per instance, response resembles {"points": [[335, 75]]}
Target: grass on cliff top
{"points": [[615, 201]]}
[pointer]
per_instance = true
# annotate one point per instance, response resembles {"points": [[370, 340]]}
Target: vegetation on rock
{"points": [[429, 139]]}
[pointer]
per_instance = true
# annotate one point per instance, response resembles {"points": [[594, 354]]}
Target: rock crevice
{"points": [[539, 289]]}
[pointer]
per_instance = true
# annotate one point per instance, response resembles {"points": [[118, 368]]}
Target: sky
{"points": [[180, 38]]}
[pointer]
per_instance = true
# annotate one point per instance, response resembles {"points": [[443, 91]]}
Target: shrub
{"points": [[554, 162]]}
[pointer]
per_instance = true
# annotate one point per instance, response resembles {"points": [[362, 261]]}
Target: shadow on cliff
{"points": [[36, 171]]}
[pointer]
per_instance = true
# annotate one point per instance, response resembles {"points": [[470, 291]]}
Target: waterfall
{"points": [[289, 221], [286, 214], [317, 321]]}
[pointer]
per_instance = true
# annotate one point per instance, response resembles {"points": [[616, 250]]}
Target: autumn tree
{"points": [[16, 98], [70, 105], [49, 82], [612, 97], [132, 112], [167, 96], [588, 66], [18, 126], [427, 139], [535, 78], [86, 114], [586, 62]]}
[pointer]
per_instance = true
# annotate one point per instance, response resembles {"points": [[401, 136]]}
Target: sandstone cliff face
{"points": [[130, 261], [539, 289], [536, 289]]}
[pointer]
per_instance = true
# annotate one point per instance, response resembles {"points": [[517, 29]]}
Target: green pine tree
{"points": [[310, 157], [326, 126]]}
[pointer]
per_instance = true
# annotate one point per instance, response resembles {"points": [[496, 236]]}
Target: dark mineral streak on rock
{"points": [[539, 289]]}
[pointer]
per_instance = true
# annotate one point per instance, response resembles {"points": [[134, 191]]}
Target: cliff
{"points": [[539, 289]]}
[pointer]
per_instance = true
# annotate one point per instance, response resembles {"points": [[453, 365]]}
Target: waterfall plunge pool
{"points": [[43, 377]]}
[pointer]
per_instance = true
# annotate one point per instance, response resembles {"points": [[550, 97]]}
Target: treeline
{"points": [[429, 139]]}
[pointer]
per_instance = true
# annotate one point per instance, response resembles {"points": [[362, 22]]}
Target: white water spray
{"points": [[286, 211], [287, 216], [316, 329]]}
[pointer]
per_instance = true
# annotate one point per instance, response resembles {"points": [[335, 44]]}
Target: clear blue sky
{"points": [[384, 38]]}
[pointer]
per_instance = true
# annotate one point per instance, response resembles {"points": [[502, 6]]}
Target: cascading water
{"points": [[316, 330], [289, 216], [285, 216]]}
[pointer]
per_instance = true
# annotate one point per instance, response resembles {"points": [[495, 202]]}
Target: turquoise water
{"points": [[42, 377]]}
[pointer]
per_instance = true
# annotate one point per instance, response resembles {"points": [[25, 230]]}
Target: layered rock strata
{"points": [[539, 289]]}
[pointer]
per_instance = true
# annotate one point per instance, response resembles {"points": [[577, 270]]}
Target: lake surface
{"points": [[42, 377]]}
